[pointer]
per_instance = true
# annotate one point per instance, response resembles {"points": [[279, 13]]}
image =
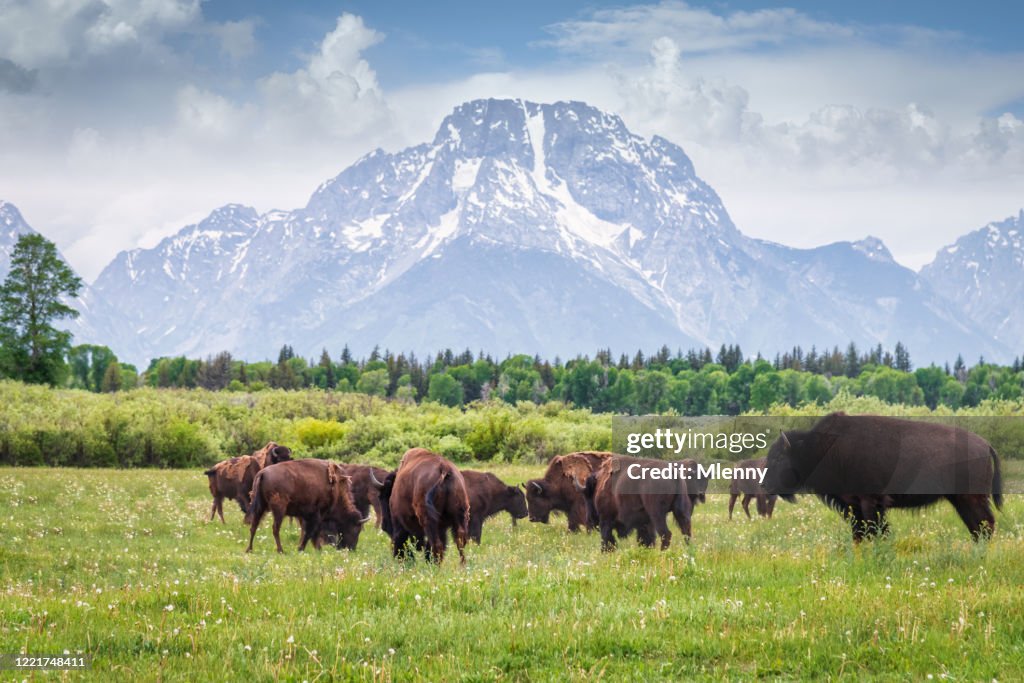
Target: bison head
{"points": [[538, 500], [515, 503], [783, 477], [344, 522], [278, 454]]}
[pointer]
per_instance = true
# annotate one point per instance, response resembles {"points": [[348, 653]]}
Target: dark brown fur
{"points": [[865, 465], [556, 490], [232, 478], [488, 496], [366, 494], [427, 499], [316, 492], [621, 506], [751, 489]]}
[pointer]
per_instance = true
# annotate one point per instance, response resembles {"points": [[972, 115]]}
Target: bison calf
{"points": [[488, 496], [751, 490]]}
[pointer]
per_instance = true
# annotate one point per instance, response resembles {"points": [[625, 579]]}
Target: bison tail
{"points": [[997, 480], [432, 512]]}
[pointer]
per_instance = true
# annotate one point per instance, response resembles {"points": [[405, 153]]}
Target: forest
{"points": [[696, 382]]}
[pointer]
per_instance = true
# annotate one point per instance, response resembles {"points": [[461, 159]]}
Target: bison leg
{"points": [[218, 502], [976, 514], [682, 513], [278, 518], [438, 542], [461, 538], [607, 538], [254, 524], [867, 518], [476, 528], [732, 502], [398, 543], [746, 504], [761, 502], [310, 527], [769, 506], [645, 535]]}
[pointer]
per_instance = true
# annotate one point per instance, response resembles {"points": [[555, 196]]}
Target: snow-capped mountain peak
{"points": [[520, 227]]}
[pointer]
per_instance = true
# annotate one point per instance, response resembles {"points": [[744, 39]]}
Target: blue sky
{"points": [[815, 121]]}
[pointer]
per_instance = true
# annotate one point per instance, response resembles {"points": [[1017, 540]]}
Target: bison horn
{"points": [[576, 483], [365, 520], [376, 482], [540, 489], [785, 441]]}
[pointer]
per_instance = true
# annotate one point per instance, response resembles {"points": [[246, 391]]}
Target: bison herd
{"points": [[859, 465]]}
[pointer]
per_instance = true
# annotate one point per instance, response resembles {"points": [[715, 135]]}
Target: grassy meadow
{"points": [[123, 565]]}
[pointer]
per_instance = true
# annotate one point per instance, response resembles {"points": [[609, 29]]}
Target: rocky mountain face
{"points": [[983, 274], [521, 227]]}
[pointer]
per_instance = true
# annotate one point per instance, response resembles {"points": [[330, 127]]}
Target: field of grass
{"points": [[123, 565]]}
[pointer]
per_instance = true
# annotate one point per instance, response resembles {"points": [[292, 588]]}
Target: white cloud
{"points": [[811, 131], [627, 30]]}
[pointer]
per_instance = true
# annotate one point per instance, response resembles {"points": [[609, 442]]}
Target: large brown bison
{"points": [[865, 465], [557, 490], [232, 478], [621, 504], [751, 489], [317, 492], [488, 496], [424, 499], [365, 485]]}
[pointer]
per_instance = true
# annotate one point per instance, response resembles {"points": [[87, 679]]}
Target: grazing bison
{"points": [[865, 465], [751, 489], [365, 485], [557, 489], [316, 492], [488, 496], [622, 504], [427, 497], [232, 478]]}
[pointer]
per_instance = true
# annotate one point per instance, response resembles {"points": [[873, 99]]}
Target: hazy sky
{"points": [[124, 121]]}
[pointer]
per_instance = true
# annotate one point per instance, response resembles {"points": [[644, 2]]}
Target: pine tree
{"points": [[111, 378], [31, 299]]}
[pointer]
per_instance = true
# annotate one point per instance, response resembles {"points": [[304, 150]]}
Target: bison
{"points": [[751, 489], [365, 485], [621, 504], [317, 492], [864, 465], [232, 478], [557, 491], [488, 496], [425, 497]]}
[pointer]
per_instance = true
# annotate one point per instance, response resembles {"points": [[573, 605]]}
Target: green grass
{"points": [[124, 566]]}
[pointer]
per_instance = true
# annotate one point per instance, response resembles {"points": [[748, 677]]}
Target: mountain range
{"points": [[534, 228]]}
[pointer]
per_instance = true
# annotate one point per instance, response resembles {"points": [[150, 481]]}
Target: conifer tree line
{"points": [[695, 382]]}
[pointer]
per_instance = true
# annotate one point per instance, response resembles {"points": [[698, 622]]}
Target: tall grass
{"points": [[123, 565]]}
